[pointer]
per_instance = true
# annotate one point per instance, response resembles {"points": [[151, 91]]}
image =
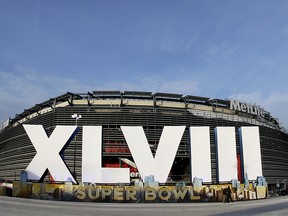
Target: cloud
{"points": [[284, 31], [253, 97], [23, 87], [171, 44], [157, 84], [276, 103], [223, 50], [152, 84]]}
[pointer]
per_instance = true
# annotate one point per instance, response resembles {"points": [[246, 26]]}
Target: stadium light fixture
{"points": [[76, 117]]}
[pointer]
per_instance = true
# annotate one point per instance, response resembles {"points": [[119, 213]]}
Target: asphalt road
{"points": [[17, 206]]}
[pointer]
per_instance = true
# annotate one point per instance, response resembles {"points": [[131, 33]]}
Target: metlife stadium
{"points": [[114, 111]]}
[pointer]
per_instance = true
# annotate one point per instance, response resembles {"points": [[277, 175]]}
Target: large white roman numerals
{"points": [[250, 151], [226, 158], [92, 170], [200, 153], [159, 166], [48, 150]]}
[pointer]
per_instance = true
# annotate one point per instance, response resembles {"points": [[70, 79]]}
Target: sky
{"points": [[226, 49]]}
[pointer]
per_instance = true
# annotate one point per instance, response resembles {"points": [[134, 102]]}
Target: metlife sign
{"points": [[50, 148], [248, 108]]}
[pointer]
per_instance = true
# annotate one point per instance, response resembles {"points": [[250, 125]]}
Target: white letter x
{"points": [[48, 150]]}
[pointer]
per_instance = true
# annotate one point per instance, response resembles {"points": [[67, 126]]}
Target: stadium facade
{"points": [[154, 119]]}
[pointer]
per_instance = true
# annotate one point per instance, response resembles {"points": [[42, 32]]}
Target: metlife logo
{"points": [[247, 108]]}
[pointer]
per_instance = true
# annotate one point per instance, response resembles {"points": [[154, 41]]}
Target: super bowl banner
{"points": [[134, 194]]}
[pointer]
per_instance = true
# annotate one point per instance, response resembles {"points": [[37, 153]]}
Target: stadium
{"points": [[152, 111]]}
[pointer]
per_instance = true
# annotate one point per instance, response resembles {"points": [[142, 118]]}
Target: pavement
{"points": [[11, 206]]}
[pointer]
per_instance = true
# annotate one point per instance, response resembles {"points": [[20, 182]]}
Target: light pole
{"points": [[76, 117]]}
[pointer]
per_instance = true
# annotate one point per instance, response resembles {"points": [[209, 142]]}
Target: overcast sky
{"points": [[213, 48]]}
